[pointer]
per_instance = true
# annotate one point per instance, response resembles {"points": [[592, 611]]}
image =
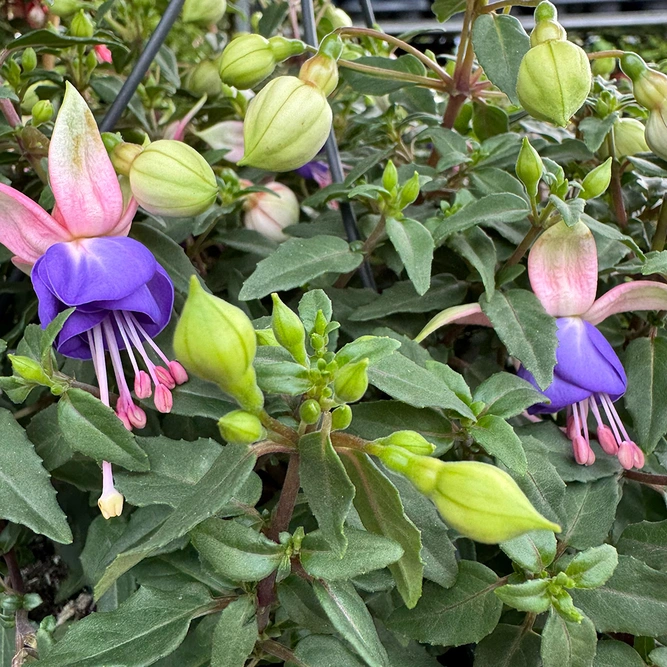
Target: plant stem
{"points": [[646, 478], [495, 6], [616, 187], [279, 651], [523, 247], [612, 53], [660, 236], [23, 627], [424, 81]]}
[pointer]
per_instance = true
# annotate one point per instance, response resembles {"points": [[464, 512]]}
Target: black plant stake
{"points": [[144, 61]]}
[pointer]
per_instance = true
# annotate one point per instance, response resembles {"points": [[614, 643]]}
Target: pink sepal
{"points": [[468, 313], [631, 296]]}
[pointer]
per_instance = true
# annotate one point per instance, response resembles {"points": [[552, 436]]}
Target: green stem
{"points": [[660, 236], [495, 6], [523, 247], [423, 81], [612, 53]]}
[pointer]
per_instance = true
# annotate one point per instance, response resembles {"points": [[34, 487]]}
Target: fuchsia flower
{"points": [[81, 257], [103, 53], [317, 171], [563, 271]]}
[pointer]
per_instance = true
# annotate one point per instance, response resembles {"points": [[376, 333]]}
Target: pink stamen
{"points": [[165, 377], [611, 415], [591, 457], [142, 385], [626, 454], [164, 401], [178, 372], [607, 440], [583, 407], [638, 457], [581, 450]]}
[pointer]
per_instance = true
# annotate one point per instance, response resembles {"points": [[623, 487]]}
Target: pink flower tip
{"points": [[165, 377], [142, 385], [103, 53], [178, 372], [136, 416], [626, 454], [582, 451], [607, 440], [164, 401]]}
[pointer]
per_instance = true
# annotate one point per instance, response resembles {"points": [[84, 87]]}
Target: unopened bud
{"points": [[337, 17], [269, 214], [205, 12], [656, 131], [341, 418], [411, 441], [216, 341], [111, 504], [409, 192], [477, 499], [629, 138], [289, 331], [320, 71], [42, 112], [648, 85], [29, 60], [82, 25], [123, 155], [286, 125], [310, 411], [390, 177], [597, 181], [29, 369], [241, 427], [63, 7], [351, 381], [170, 178], [246, 61], [204, 79], [529, 167]]}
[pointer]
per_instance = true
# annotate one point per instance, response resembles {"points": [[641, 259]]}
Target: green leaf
{"points": [[633, 600], [646, 366], [327, 487], [349, 615], [568, 644], [298, 261], [323, 651], [646, 541], [368, 84], [492, 209], [213, 491], [451, 146], [149, 625], [590, 510], [195, 651], [298, 600], [533, 551], [199, 398], [658, 656], [372, 348], [609, 232], [532, 595], [444, 9], [570, 210], [593, 567], [488, 120], [55, 40], [507, 395], [235, 634], [656, 262], [498, 438], [365, 552], [237, 552], [414, 245], [379, 506], [49, 440], [475, 246], [92, 428], [594, 130], [500, 44], [405, 381], [26, 494], [455, 381], [277, 373], [613, 653], [7, 650], [312, 302], [463, 614], [527, 331], [508, 646]]}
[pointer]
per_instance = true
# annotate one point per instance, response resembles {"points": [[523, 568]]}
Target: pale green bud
{"points": [[629, 138], [390, 177], [337, 17], [284, 48], [203, 11], [413, 442], [82, 25], [289, 331], [241, 427], [170, 178], [246, 61], [29, 369], [648, 85], [286, 125], [204, 79], [216, 341], [320, 71], [547, 31], [42, 112], [409, 192], [122, 156], [351, 381], [29, 60], [656, 132], [477, 499], [529, 167], [310, 411], [597, 181], [341, 418], [603, 67], [64, 7]]}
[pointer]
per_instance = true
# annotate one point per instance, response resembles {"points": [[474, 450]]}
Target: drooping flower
{"points": [[103, 53], [228, 135], [269, 214], [81, 257], [588, 376], [317, 171]]}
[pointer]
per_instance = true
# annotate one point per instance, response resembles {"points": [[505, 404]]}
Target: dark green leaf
{"points": [[507, 395], [323, 651], [533, 551], [508, 646], [613, 653], [498, 438], [299, 602], [56, 40], [235, 634], [476, 247], [414, 245], [570, 210], [646, 541], [568, 644], [594, 130], [444, 9]]}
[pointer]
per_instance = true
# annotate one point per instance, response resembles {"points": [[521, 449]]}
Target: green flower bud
{"points": [[656, 132], [29, 369], [409, 192], [597, 181], [63, 7], [289, 331], [11, 603], [122, 156], [477, 499], [216, 341], [42, 112], [341, 418], [529, 167], [603, 67], [555, 75], [337, 17], [241, 427], [31, 601], [82, 25], [284, 48], [170, 178], [648, 85], [320, 71], [413, 442], [29, 60], [246, 61], [351, 381], [310, 411], [204, 79], [629, 138], [203, 11], [390, 176], [286, 125]]}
